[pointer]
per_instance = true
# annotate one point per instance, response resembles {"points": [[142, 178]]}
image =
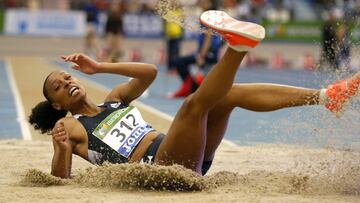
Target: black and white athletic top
{"points": [[114, 133]]}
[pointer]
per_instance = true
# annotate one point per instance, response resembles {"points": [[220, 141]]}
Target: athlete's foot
{"points": [[340, 92], [240, 35]]}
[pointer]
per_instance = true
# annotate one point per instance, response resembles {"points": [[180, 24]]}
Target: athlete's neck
{"points": [[86, 108]]}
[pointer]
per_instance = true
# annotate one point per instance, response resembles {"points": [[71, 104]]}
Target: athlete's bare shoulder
{"points": [[74, 128]]}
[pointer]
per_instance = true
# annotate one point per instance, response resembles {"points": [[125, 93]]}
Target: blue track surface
{"points": [[9, 126], [302, 125]]}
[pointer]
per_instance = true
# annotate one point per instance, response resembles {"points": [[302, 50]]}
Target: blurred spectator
{"points": [[33, 5], [148, 6], [92, 20], [344, 43], [190, 67], [173, 35], [278, 12], [344, 34], [134, 6], [330, 41], [11, 3], [229, 6], [243, 9], [114, 31]]}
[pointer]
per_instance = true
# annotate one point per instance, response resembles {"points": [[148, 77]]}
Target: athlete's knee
{"points": [[191, 106], [228, 102], [236, 92]]}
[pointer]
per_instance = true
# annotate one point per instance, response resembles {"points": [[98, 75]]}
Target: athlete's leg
{"points": [[186, 139], [270, 97], [254, 97]]}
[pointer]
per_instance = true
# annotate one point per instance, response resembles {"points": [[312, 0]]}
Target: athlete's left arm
{"points": [[142, 75]]}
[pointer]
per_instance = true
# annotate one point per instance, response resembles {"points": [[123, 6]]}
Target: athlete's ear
{"points": [[56, 106]]}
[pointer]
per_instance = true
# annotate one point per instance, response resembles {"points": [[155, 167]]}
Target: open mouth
{"points": [[73, 91]]}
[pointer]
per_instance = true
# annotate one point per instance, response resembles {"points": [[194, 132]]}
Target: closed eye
{"points": [[56, 85]]}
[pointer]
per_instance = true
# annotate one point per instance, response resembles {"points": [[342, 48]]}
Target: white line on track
{"points": [[24, 126]]}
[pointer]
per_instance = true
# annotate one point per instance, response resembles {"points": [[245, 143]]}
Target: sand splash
{"points": [[134, 176], [189, 18], [37, 178], [344, 179]]}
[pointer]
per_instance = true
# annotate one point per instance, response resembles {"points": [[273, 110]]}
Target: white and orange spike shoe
{"points": [[240, 35], [340, 92]]}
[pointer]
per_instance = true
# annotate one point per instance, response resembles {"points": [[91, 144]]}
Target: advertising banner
{"points": [[1, 21], [44, 22], [143, 26], [306, 31]]}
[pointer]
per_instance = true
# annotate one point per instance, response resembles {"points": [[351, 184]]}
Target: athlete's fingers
{"points": [[78, 56], [67, 58], [60, 138], [55, 131], [59, 133], [76, 67], [58, 128], [72, 57]]}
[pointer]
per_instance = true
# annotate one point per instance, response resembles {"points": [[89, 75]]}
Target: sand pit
{"points": [[263, 173]]}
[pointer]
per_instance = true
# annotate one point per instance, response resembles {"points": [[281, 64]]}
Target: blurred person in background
{"points": [[330, 41], [173, 35], [344, 42], [114, 31], [92, 20], [148, 6], [243, 9], [344, 34], [230, 7], [190, 67]]}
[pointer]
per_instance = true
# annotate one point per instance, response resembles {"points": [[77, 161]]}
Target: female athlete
{"points": [[115, 131]]}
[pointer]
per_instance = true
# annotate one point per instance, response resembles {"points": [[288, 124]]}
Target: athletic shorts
{"points": [[150, 154]]}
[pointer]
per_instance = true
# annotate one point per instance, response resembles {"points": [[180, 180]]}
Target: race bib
{"points": [[122, 130]]}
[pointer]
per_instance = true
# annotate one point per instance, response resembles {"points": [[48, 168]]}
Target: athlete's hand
{"points": [[60, 136], [82, 63]]}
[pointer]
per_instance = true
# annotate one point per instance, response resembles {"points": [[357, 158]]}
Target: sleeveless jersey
{"points": [[113, 133]]}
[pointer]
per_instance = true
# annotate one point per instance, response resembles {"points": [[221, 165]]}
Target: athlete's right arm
{"points": [[62, 158], [69, 137]]}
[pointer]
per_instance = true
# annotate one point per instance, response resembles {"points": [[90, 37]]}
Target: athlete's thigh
{"points": [[185, 141]]}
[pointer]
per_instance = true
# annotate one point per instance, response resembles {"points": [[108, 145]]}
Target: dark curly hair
{"points": [[44, 116]]}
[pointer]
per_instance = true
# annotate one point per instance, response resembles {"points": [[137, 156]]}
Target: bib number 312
{"points": [[123, 130]]}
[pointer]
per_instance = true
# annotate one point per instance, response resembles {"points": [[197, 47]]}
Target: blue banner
{"points": [[143, 26], [45, 22]]}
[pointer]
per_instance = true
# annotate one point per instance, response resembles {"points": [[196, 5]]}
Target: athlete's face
{"points": [[64, 90]]}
